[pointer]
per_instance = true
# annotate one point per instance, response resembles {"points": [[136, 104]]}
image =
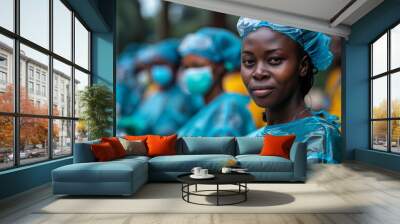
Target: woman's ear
{"points": [[304, 66]]}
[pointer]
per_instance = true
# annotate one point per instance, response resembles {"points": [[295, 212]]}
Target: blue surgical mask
{"points": [[161, 75], [198, 80]]}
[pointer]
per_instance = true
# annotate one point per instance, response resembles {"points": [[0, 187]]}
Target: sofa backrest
{"points": [[206, 145], [249, 145], [83, 152]]}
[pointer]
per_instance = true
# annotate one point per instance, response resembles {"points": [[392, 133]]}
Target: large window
{"points": [[44, 64], [385, 91]]}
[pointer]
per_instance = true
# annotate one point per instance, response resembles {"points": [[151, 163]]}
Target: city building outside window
{"points": [[57, 127]]}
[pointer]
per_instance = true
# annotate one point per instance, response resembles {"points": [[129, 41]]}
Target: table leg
{"points": [[245, 193], [217, 194], [196, 188], [188, 189]]}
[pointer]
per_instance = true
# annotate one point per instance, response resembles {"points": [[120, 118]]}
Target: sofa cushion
{"points": [[134, 147], [116, 145], [249, 145], [277, 145], [185, 163], [136, 137], [207, 145], [112, 171], [257, 163], [103, 152], [161, 145]]}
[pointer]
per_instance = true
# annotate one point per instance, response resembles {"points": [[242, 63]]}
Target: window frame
{"points": [[388, 74], [16, 115]]}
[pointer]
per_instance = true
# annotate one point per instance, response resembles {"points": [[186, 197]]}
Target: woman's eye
{"points": [[248, 63], [275, 61]]}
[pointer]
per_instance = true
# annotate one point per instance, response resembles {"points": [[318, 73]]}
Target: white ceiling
{"points": [[325, 16]]}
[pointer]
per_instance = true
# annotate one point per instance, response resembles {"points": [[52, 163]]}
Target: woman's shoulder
{"points": [[320, 120], [324, 118]]}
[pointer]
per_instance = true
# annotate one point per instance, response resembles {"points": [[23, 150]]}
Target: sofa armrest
{"points": [[298, 155], [83, 152]]}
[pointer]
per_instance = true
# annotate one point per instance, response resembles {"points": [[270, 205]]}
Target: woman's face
{"points": [[271, 67]]}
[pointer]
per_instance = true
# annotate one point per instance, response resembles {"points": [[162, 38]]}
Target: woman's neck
{"points": [[214, 92], [288, 111]]}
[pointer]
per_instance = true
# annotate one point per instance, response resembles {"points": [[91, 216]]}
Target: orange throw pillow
{"points": [[161, 145], [116, 145], [103, 152], [134, 137], [277, 145]]}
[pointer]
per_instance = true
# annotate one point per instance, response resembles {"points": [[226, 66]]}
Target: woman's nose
{"points": [[260, 71]]}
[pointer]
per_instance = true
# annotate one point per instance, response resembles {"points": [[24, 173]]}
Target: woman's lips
{"points": [[261, 92]]}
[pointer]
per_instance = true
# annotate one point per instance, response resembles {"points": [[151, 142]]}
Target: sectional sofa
{"points": [[125, 176]]}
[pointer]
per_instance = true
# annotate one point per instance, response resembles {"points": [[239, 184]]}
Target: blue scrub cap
{"points": [[166, 49], [315, 44], [217, 45]]}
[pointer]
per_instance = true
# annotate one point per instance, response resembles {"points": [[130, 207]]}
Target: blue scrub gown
{"points": [[226, 115], [320, 132], [163, 113]]}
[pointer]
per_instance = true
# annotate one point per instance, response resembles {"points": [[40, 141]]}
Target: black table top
{"points": [[220, 178]]}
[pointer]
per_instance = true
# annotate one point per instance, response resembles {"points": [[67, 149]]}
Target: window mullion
{"points": [[16, 84], [73, 83], [50, 79], [389, 106]]}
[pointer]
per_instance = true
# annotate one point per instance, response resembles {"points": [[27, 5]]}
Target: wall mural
{"points": [[195, 72]]}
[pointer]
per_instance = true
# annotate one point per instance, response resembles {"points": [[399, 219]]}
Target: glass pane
{"points": [[379, 135], [62, 138], [62, 29], [6, 74], [395, 94], [33, 139], [395, 47], [34, 97], [379, 55], [6, 142], [395, 135], [62, 89], [81, 81], [81, 45], [35, 21], [7, 14], [379, 97], [81, 131]]}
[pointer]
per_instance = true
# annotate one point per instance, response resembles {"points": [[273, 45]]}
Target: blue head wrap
{"points": [[217, 45], [166, 50], [315, 44]]}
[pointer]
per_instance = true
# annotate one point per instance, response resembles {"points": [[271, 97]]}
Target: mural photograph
{"points": [[193, 72]]}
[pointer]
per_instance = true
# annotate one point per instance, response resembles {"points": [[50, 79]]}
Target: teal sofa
{"points": [[125, 176]]}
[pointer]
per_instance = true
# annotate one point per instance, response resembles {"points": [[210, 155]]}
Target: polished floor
{"points": [[378, 189]]}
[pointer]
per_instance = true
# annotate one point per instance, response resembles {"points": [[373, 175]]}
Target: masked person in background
{"points": [[168, 108], [278, 65], [128, 94], [208, 55]]}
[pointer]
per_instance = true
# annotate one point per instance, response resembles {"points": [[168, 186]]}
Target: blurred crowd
{"points": [[193, 87]]}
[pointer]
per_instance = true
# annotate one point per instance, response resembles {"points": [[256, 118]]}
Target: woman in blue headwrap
{"points": [[169, 107], [278, 65], [207, 55]]}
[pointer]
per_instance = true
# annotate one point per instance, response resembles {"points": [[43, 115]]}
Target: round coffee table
{"points": [[238, 179]]}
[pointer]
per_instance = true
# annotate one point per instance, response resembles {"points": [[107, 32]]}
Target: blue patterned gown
{"points": [[226, 115], [320, 132]]}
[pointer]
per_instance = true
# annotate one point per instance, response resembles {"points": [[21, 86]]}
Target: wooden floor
{"points": [[377, 188]]}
